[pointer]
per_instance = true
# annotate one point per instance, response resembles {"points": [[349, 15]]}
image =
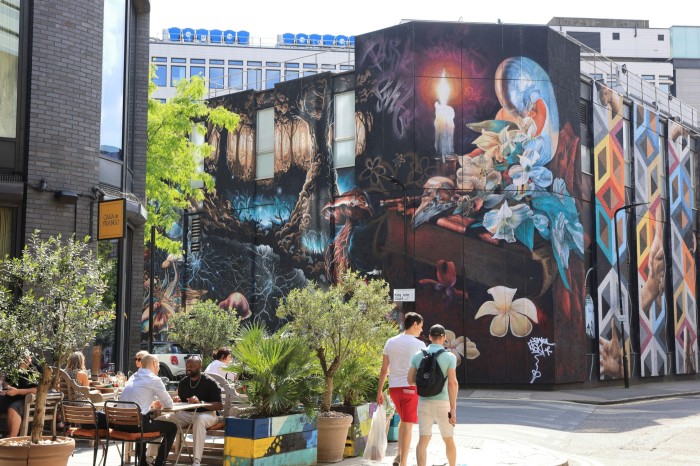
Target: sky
{"points": [[268, 18]]}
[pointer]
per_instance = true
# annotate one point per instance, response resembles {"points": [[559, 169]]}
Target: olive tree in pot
{"points": [[50, 306], [335, 323]]}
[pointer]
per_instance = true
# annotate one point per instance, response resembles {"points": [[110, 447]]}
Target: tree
{"points": [[172, 160], [338, 321], [205, 328], [50, 306]]}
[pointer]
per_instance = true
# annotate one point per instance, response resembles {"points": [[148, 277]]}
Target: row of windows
{"points": [[663, 82], [256, 63], [616, 36], [228, 78], [343, 140]]}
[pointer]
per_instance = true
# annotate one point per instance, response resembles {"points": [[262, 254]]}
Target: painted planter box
{"points": [[359, 429], [284, 440], [392, 434]]}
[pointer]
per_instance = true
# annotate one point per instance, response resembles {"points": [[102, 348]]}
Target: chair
{"points": [[229, 395], [188, 35], [229, 36], [328, 40], [314, 39], [288, 38], [243, 37], [73, 391], [174, 34], [122, 414], [215, 36], [81, 414], [53, 401]]}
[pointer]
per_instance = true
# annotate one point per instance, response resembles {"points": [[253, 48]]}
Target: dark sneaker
{"points": [[397, 460]]}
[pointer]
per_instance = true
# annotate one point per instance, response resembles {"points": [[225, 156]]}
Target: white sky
{"points": [[267, 18]]}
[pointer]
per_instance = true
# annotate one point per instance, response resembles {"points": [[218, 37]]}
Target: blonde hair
{"points": [[76, 361], [141, 354]]}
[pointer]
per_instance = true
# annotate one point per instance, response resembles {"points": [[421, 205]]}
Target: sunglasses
{"points": [[137, 359]]}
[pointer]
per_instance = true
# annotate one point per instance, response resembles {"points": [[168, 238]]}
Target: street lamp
{"points": [[619, 289]]}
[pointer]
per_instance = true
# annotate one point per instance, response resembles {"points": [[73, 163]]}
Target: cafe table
{"points": [[182, 432]]}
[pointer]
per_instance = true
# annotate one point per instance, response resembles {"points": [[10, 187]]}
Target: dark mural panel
{"points": [[465, 187]]}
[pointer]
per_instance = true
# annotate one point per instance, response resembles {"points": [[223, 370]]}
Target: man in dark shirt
{"points": [[198, 388]]}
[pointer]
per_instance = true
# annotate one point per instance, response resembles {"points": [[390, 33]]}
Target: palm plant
{"points": [[277, 371]]}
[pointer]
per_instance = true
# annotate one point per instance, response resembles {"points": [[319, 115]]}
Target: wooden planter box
{"points": [[285, 440], [393, 432], [359, 429]]}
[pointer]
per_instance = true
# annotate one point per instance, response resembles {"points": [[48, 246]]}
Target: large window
{"points": [[177, 73], [113, 79], [235, 78], [290, 74], [9, 53], [272, 77], [197, 71], [254, 76], [265, 144], [216, 78], [161, 77], [344, 140]]}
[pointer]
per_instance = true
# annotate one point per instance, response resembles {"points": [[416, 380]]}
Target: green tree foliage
{"points": [[338, 322], [50, 306], [206, 328], [277, 371], [172, 164]]}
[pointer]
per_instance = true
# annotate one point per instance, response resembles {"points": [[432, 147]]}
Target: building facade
{"points": [[73, 110], [547, 220]]}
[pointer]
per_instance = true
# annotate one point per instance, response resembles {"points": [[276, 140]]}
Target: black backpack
{"points": [[429, 379]]}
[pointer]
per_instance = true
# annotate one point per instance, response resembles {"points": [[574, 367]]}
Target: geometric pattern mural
{"points": [[682, 258], [609, 173], [651, 261]]}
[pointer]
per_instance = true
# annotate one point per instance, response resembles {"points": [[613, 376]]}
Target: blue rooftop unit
{"points": [[351, 41], [341, 41], [328, 40], [202, 35], [229, 36], [215, 36], [302, 39], [314, 39], [174, 34], [288, 38], [188, 34], [243, 37]]}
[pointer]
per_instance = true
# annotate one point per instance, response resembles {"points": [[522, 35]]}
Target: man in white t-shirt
{"points": [[398, 352]]}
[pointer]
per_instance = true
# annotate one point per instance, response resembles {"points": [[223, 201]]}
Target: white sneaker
{"points": [[150, 460], [196, 462]]}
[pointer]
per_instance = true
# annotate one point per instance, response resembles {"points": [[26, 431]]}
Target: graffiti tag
{"points": [[539, 347]]}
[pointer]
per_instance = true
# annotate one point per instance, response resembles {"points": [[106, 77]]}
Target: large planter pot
{"points": [[332, 433], [284, 440], [19, 451], [359, 429]]}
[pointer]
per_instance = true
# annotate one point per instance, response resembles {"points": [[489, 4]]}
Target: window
{"points": [[311, 66], [113, 78], [235, 78], [159, 60], [660, 37], [254, 63], [235, 62], [648, 77], [178, 60], [309, 73], [584, 117], [290, 74], [177, 73], [291, 65], [9, 63], [161, 77], [265, 144], [347, 67], [197, 71], [216, 77], [197, 61], [328, 67], [272, 64], [272, 77], [254, 79], [616, 36], [216, 62], [344, 139], [597, 76], [162, 101], [665, 87]]}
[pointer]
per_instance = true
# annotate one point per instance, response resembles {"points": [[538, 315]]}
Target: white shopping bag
{"points": [[376, 439]]}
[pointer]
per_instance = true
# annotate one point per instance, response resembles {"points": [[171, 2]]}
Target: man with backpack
{"points": [[433, 371]]}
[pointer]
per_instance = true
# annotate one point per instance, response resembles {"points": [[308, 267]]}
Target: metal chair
{"points": [[82, 416], [121, 414]]}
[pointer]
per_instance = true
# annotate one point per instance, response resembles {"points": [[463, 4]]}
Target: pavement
{"points": [[478, 448]]}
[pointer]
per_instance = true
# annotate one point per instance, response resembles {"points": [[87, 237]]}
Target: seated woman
{"points": [[222, 358], [76, 369], [14, 389]]}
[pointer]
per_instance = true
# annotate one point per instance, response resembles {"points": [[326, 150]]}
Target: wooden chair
{"points": [[53, 402], [122, 414], [73, 391], [82, 417]]}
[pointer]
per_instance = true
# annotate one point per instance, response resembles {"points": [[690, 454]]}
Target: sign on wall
{"points": [[111, 219], [406, 295]]}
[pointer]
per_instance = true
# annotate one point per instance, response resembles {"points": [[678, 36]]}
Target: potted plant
{"points": [[282, 383], [336, 323], [50, 301]]}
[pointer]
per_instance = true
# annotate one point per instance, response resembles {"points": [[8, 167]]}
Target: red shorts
{"points": [[406, 402]]}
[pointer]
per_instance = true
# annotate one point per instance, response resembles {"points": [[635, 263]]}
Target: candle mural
{"points": [[444, 121]]}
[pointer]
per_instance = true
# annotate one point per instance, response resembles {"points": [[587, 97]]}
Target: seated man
{"points": [[143, 388], [197, 388]]}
